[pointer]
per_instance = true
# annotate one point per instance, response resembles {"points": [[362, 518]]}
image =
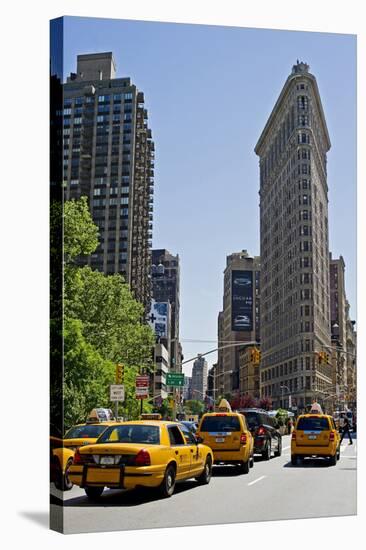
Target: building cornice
{"points": [[279, 103]]}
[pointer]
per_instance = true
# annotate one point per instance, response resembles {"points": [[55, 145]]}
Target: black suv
{"points": [[266, 432]]}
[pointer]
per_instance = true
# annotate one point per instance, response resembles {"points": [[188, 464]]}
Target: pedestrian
{"points": [[346, 429]]}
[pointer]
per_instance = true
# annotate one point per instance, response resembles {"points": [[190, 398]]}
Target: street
{"points": [[272, 490]]}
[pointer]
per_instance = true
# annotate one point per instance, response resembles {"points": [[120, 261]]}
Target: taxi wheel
{"points": [[167, 487], [205, 477], [63, 483], [294, 460], [94, 493], [244, 467], [338, 453], [67, 484], [333, 460], [251, 461]]}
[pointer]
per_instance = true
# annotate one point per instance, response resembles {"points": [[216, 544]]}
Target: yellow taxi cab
{"points": [[62, 454], [227, 434], [315, 435], [141, 453]]}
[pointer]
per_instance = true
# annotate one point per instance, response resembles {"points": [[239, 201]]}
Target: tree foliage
{"points": [[193, 406], [102, 323]]}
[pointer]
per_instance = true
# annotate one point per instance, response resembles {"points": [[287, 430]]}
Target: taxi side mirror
{"points": [[199, 439]]}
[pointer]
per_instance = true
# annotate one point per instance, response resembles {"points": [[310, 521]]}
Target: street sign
{"points": [[175, 379], [141, 392], [142, 386], [117, 392], [142, 380]]}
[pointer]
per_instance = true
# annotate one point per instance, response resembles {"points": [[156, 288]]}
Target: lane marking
{"points": [[256, 480], [285, 448]]}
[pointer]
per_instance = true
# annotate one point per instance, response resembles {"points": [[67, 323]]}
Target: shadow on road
{"points": [[309, 463], [135, 497], [226, 471]]}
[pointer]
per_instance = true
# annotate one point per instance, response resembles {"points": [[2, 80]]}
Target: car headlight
{"points": [[117, 458], [96, 459]]}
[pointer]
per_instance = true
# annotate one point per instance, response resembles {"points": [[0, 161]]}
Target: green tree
{"points": [[193, 406], [80, 234], [87, 375], [111, 317], [102, 324]]}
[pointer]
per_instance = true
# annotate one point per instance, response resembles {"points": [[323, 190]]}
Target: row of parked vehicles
{"points": [[157, 454]]}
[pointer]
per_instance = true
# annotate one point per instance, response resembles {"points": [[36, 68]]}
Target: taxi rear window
{"points": [[92, 431], [313, 423], [220, 424], [131, 433]]}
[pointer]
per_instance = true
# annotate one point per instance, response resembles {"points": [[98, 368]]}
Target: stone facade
{"points": [[295, 302]]}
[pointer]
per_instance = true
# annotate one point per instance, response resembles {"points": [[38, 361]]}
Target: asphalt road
{"points": [[272, 490]]}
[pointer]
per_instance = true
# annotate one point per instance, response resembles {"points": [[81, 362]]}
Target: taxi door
{"points": [[197, 462], [181, 451]]}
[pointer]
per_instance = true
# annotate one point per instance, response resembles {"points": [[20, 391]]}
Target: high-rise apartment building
{"points": [[199, 379], [239, 320], [295, 302], [166, 288], [109, 157]]}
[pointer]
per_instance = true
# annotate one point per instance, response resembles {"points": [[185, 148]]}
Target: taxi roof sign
{"points": [[100, 415], [150, 416], [224, 406]]}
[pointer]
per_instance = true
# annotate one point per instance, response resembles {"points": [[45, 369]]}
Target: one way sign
{"points": [[117, 392]]}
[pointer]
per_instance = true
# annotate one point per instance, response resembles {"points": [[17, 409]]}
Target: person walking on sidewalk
{"points": [[346, 429]]}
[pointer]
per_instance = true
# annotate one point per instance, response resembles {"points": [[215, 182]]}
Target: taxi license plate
{"points": [[312, 436], [107, 460], [220, 439]]}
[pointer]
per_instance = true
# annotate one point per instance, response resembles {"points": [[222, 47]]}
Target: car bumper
{"points": [[314, 450], [117, 477], [228, 456]]}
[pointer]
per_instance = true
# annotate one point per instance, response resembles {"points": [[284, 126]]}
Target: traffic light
{"points": [[326, 358], [120, 373], [258, 356], [252, 355]]}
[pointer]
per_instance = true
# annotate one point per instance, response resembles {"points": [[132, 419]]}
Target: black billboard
{"points": [[242, 300]]}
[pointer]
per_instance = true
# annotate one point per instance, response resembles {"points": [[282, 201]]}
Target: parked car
{"points": [[266, 432], [142, 453]]}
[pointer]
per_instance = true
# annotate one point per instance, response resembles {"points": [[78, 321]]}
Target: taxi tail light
{"points": [[77, 457], [142, 458], [293, 436], [261, 430], [331, 436], [243, 439]]}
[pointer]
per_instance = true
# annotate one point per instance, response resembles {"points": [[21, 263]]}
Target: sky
{"points": [[209, 91]]}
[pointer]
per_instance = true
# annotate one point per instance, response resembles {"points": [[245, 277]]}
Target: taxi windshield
{"points": [[88, 431], [220, 424], [313, 423], [131, 433]]}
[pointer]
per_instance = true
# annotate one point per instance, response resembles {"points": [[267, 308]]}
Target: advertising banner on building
{"points": [[159, 318], [242, 300]]}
